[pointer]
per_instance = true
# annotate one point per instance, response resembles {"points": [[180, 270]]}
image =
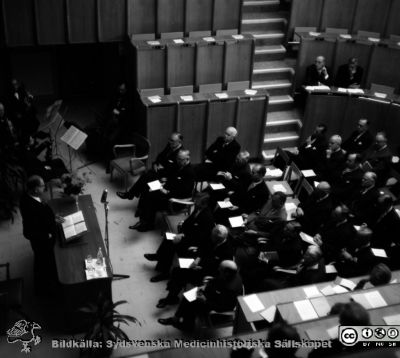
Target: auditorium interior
{"points": [[224, 173]]}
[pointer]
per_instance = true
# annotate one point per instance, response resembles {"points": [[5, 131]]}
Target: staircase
{"points": [[273, 71]]}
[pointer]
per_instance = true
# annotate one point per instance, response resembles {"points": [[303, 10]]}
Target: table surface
{"points": [[70, 258]]}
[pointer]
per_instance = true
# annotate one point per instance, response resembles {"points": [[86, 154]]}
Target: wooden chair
{"points": [[297, 30], [210, 88], [375, 87], [10, 296], [337, 31], [238, 85], [368, 34], [129, 158]]}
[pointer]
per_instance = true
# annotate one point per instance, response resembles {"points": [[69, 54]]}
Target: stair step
{"points": [[283, 122], [283, 115], [280, 103], [262, 5], [269, 85], [263, 17], [269, 53], [264, 24], [284, 125], [265, 71], [281, 139], [267, 37]]}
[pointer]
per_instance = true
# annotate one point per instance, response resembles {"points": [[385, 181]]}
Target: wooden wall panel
{"points": [[192, 125], [226, 14], [210, 63], [82, 24], [338, 13], [50, 21], [393, 24], [141, 16], [194, 8], [19, 22], [371, 15], [305, 13], [150, 68], [392, 127], [180, 65], [171, 16], [239, 61], [111, 20]]}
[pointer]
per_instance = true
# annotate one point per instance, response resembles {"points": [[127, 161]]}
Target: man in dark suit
{"points": [[350, 180], [179, 184], [193, 239], [349, 75], [204, 265], [217, 294], [364, 201], [8, 134], [316, 210], [334, 161], [379, 157], [318, 74], [164, 165], [220, 156], [360, 140], [39, 227]]}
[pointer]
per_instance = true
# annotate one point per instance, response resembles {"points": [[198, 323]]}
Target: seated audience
{"points": [[349, 75], [179, 184], [380, 275], [316, 210], [334, 161], [364, 201], [194, 238], [220, 156], [204, 265], [164, 165], [335, 234], [357, 258], [360, 140], [318, 74], [379, 158], [217, 294]]}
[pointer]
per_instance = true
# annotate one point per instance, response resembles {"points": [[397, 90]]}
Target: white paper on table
{"points": [[67, 221], [273, 172], [392, 320], [374, 39], [355, 91], [379, 253], [254, 303], [238, 37], [333, 332], [185, 263], [154, 99], [74, 137], [339, 289], [290, 209], [225, 204], [305, 309], [250, 92], [236, 221], [269, 314], [191, 295], [357, 227], [328, 291], [307, 238], [347, 284], [170, 236], [313, 33], [322, 88], [312, 291], [375, 299], [80, 227], [345, 36], [380, 95], [221, 95], [153, 43], [179, 41], [217, 186], [308, 173], [154, 185], [69, 231], [361, 298], [209, 39], [316, 183], [77, 217], [187, 98], [342, 90], [279, 187], [330, 269]]}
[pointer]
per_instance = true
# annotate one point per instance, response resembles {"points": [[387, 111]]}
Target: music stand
{"points": [[74, 138]]}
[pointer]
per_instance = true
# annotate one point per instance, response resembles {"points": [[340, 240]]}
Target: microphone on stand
{"points": [[104, 196]]}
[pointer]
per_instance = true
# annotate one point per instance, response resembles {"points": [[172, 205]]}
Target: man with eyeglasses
{"points": [[318, 74]]}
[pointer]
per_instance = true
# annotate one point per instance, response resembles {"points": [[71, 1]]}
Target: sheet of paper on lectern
{"points": [[279, 187], [179, 41], [355, 91], [313, 33], [187, 98], [191, 295], [74, 137], [154, 185], [375, 299], [153, 43], [221, 95], [308, 173], [330, 269], [345, 36], [154, 99], [380, 95], [170, 235], [342, 90], [345, 283], [339, 289], [225, 204], [209, 39], [269, 314], [328, 291], [254, 303], [185, 263], [379, 253], [250, 92], [374, 39], [238, 37], [305, 310], [273, 172], [217, 186], [236, 221], [312, 291]]}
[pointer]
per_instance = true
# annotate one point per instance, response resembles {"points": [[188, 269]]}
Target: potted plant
{"points": [[104, 326]]}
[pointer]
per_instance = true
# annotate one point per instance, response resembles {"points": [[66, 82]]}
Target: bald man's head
{"points": [[230, 134], [228, 269], [368, 180], [320, 62]]}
